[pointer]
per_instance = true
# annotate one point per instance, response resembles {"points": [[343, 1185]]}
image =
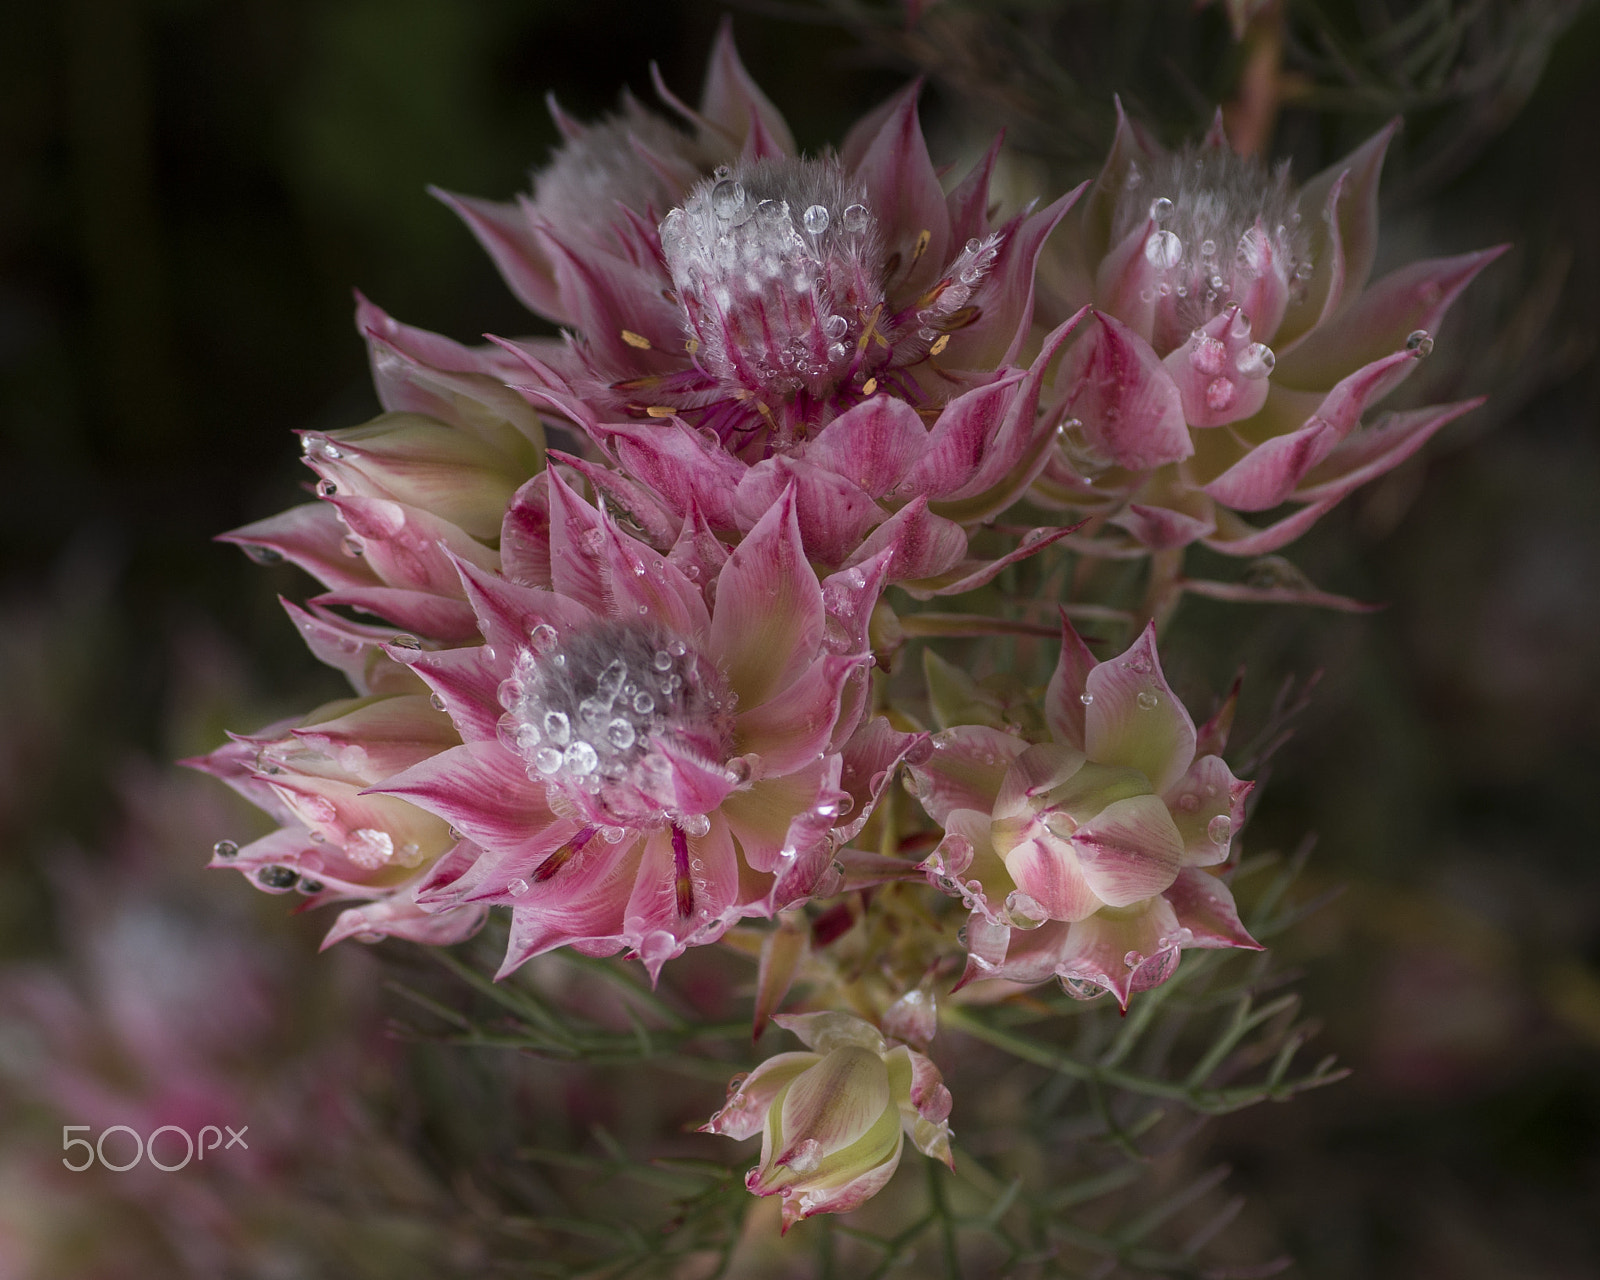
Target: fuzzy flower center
{"points": [[778, 267], [1223, 225], [602, 715]]}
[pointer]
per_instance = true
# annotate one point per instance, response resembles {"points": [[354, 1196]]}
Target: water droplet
{"points": [[1256, 360], [677, 648], [1163, 250], [276, 877], [581, 758], [262, 555], [1160, 208], [1087, 699], [613, 835], [225, 849], [836, 352], [738, 771], [835, 326], [805, 1156], [620, 734], [1220, 829], [1419, 343], [1080, 988], [1147, 700], [1133, 960], [727, 199], [815, 219], [661, 661], [557, 727], [643, 703], [547, 760], [352, 546], [854, 217], [695, 824], [542, 637], [1024, 911], [1220, 393], [326, 488]]}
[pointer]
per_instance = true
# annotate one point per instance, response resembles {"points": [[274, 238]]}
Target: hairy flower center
{"points": [[599, 714], [779, 270], [1223, 222]]}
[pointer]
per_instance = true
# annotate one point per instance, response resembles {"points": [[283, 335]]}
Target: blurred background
{"points": [[189, 191]]}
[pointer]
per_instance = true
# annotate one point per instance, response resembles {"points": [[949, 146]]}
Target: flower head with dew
{"points": [[653, 745], [1087, 857], [839, 323], [1234, 345], [834, 1119]]}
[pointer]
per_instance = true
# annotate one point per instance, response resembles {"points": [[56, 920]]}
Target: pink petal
{"points": [[1129, 851], [1129, 406], [410, 547], [954, 451], [309, 537], [834, 515], [797, 724], [1162, 528], [396, 918], [734, 102], [1267, 475], [351, 648], [1234, 537], [1376, 449], [645, 584], [581, 908], [577, 545], [869, 760], [506, 234], [1345, 242], [873, 444], [625, 500], [1054, 878], [482, 790], [969, 200], [467, 682], [903, 191], [679, 466], [1135, 720], [838, 1100], [768, 623], [969, 575], [763, 816], [1207, 804], [921, 544], [525, 534], [1125, 282], [1063, 700], [745, 1112], [1204, 906], [1413, 298], [419, 612], [381, 737], [507, 613], [966, 769], [1206, 370]]}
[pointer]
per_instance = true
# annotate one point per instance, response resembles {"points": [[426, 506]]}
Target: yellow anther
{"points": [[924, 239], [661, 411], [939, 344], [869, 386], [636, 339], [691, 345]]}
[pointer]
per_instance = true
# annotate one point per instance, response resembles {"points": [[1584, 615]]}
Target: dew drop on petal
{"points": [[835, 326], [225, 849], [806, 1156], [1256, 360], [547, 760], [516, 888], [695, 824], [815, 219], [1220, 829], [727, 199], [1419, 343], [1087, 699], [581, 758], [1160, 208], [854, 217], [1147, 700]]}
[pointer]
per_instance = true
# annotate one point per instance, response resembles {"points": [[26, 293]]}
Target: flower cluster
{"points": [[635, 690]]}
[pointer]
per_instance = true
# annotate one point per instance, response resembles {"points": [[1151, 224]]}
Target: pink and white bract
{"points": [[1086, 857], [1234, 345], [652, 746]]}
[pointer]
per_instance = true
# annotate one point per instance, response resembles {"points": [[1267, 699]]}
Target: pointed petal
{"points": [[525, 534], [482, 790], [1118, 388], [734, 102], [783, 951], [1134, 719], [679, 466], [1207, 804], [966, 769], [1204, 906], [507, 613], [795, 725], [419, 612], [872, 444], [506, 235], [768, 623], [1413, 298], [409, 547], [466, 681], [903, 191], [310, 537], [1129, 851], [749, 1099], [833, 513], [1064, 704], [396, 918]]}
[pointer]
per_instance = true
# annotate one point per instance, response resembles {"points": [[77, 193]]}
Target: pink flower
{"points": [[838, 324], [653, 745], [833, 1121], [1085, 857], [1232, 349]]}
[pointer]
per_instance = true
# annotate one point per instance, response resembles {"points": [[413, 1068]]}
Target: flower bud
{"points": [[833, 1120]]}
